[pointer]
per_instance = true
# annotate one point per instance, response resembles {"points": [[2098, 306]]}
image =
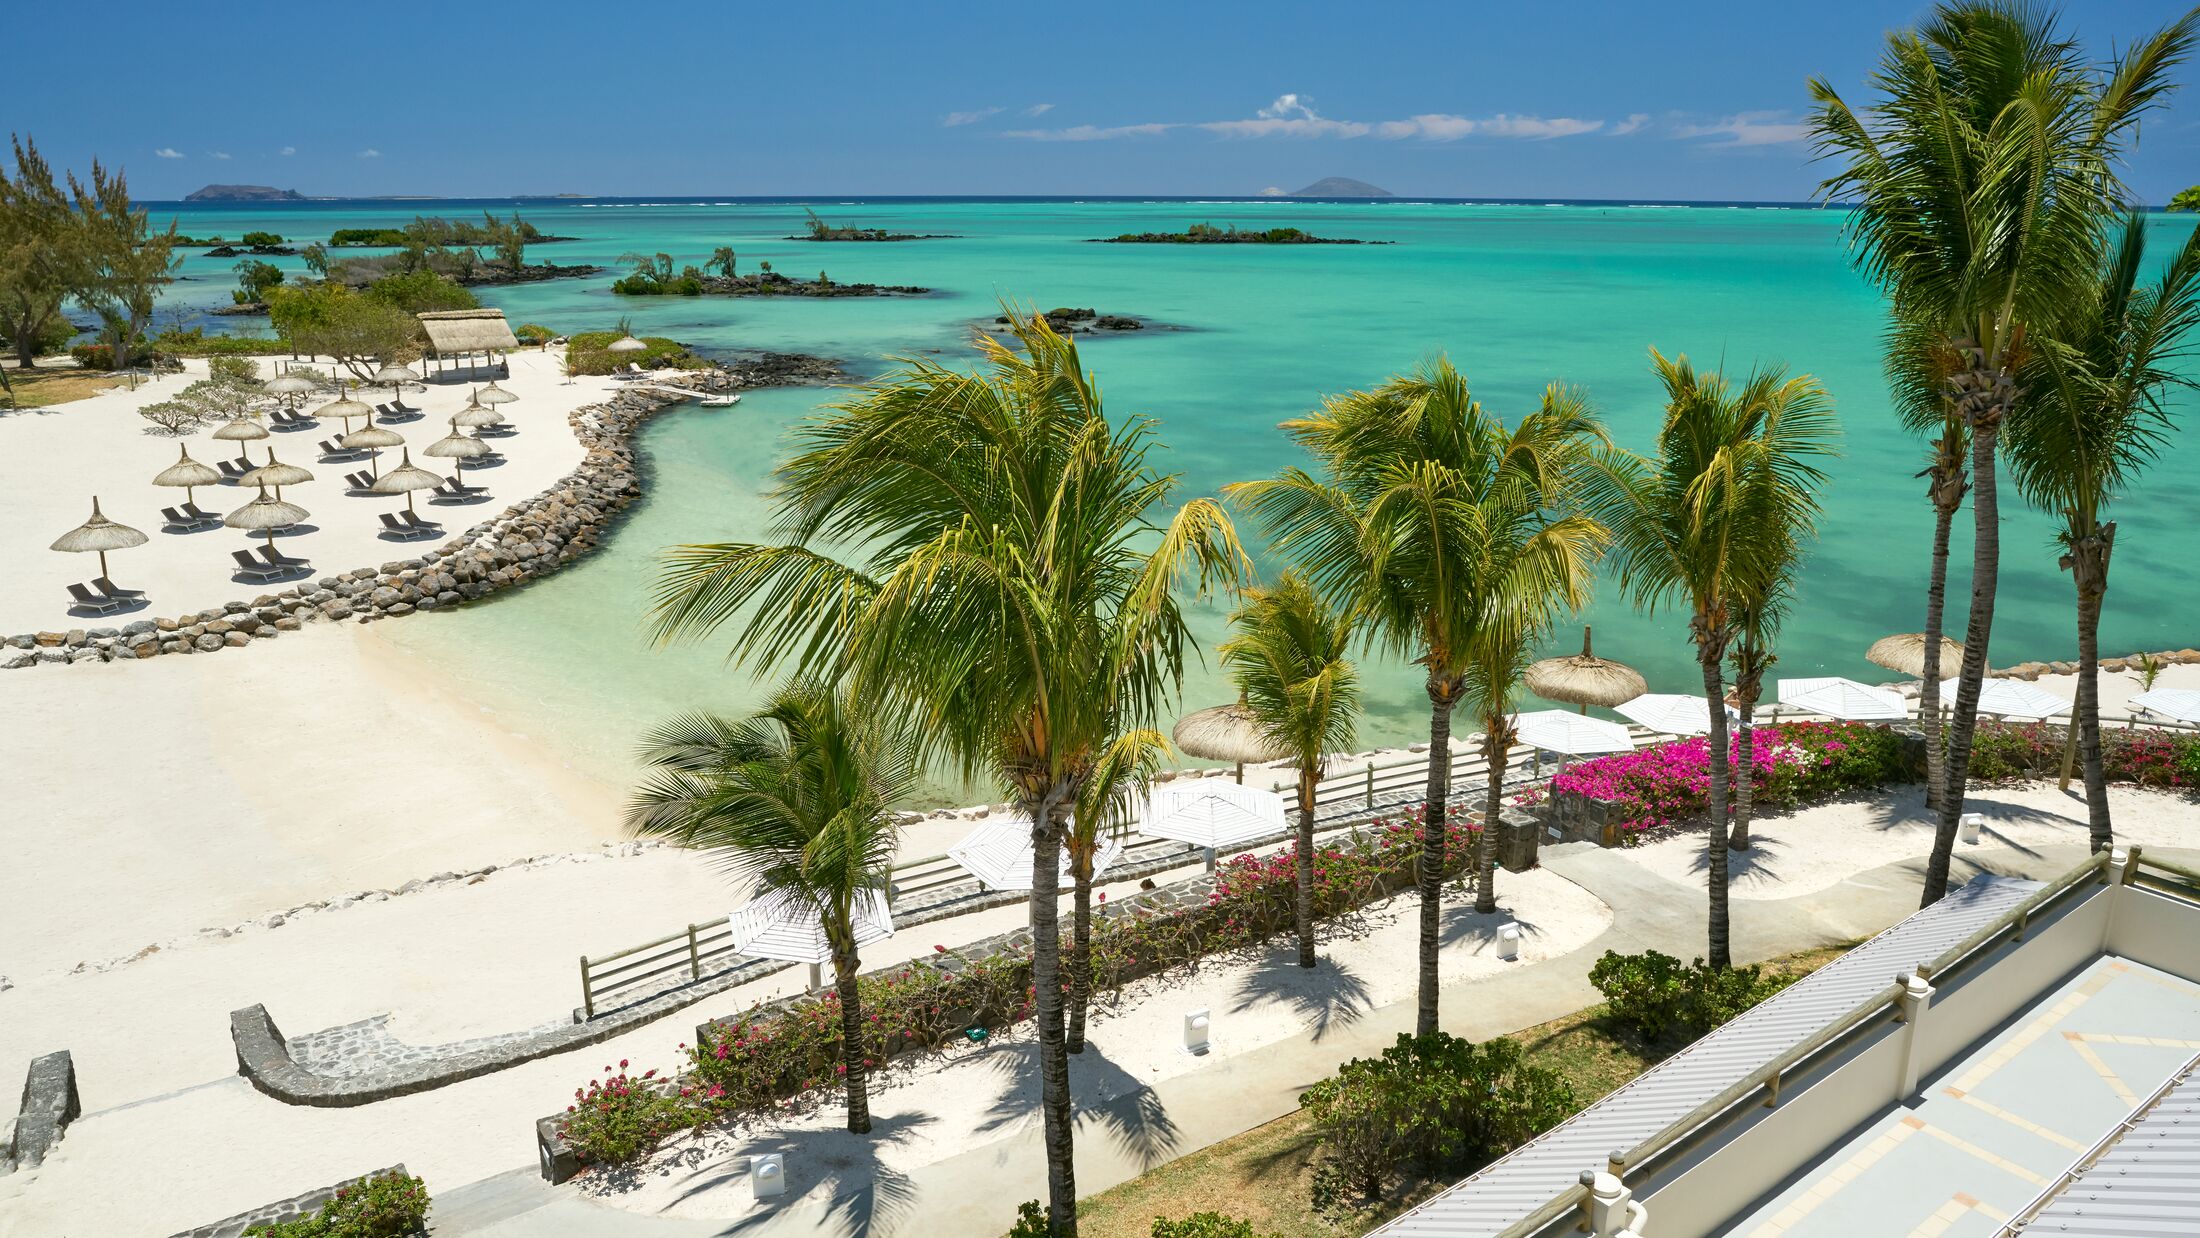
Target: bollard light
{"points": [[1508, 941], [1970, 825], [768, 1173], [1198, 1027]]}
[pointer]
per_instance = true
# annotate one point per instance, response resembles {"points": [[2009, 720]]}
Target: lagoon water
{"points": [[1517, 295]]}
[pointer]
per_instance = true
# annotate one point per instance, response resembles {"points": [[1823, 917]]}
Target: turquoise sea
{"points": [[1519, 295]]}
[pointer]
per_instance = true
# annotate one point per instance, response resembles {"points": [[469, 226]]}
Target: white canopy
{"points": [[998, 853], [1210, 812], [2011, 698], [1671, 713], [1843, 698], [775, 925], [1575, 735], [2182, 704]]}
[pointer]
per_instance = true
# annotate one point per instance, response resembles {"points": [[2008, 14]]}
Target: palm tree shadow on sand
{"points": [[862, 1196], [1461, 923], [1105, 1096], [1320, 997]]}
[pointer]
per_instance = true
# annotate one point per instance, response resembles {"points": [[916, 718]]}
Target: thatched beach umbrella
{"points": [[493, 395], [625, 343], [343, 408], [458, 449], [266, 514], [475, 417], [186, 472], [275, 473], [373, 438], [1585, 679], [242, 430], [396, 375], [288, 386], [1904, 653], [404, 479], [1227, 733], [99, 535]]}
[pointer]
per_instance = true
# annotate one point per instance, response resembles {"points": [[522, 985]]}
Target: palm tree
{"points": [[2089, 419], [983, 552], [1288, 656], [1756, 623], [1105, 809], [798, 799], [1433, 520], [1981, 185], [1708, 520], [1919, 366], [1498, 655]]}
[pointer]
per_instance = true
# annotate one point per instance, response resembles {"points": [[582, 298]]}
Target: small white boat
{"points": [[720, 401]]}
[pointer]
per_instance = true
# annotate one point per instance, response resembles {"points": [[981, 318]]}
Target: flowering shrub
{"points": [[2003, 751], [388, 1206], [773, 1057], [1790, 763]]}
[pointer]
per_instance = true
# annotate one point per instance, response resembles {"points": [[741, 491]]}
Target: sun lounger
{"points": [[415, 520], [234, 469], [278, 560], [359, 481], [192, 510], [185, 520], [333, 450], [87, 600], [249, 566], [284, 419], [113, 590], [407, 531]]}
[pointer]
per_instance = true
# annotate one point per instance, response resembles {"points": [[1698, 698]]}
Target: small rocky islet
{"points": [[1067, 321], [1208, 234]]}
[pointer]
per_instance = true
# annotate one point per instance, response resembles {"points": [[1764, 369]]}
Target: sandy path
{"points": [[1800, 852]]}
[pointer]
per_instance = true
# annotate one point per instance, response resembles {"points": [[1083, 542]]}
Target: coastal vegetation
{"points": [[1070, 321], [254, 278], [1985, 232], [815, 229], [1208, 234], [588, 353], [386, 1205], [653, 276], [493, 251], [2187, 199]]}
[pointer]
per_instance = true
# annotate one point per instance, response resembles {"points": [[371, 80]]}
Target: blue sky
{"points": [[1667, 99]]}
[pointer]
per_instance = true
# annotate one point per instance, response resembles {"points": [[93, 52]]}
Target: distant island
{"points": [[1340, 187], [1070, 321], [654, 276], [819, 230], [244, 193], [1208, 234]]}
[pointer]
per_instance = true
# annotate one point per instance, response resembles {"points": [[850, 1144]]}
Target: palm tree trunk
{"points": [[852, 1048], [1986, 398], [1046, 984], [1745, 782], [1080, 948], [1493, 805], [2088, 562], [1309, 777], [1714, 695], [1430, 873], [1936, 605]]}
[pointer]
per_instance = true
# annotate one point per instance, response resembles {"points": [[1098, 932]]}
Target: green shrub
{"points": [[586, 353], [1654, 996], [260, 238], [1206, 1225], [534, 333], [367, 236], [1433, 1105], [197, 343], [102, 356], [388, 1206], [243, 371], [422, 291], [1031, 1221]]}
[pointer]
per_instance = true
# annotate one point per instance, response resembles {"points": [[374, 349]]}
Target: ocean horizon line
{"points": [[851, 199]]}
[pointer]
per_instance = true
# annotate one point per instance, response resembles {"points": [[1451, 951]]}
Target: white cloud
{"points": [[1272, 191], [288, 150], [1089, 133], [169, 152], [1634, 122], [969, 118], [1748, 129], [1038, 109], [1292, 115], [370, 153], [217, 154]]}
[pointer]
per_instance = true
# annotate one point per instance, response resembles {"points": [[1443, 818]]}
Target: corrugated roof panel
{"points": [[2147, 1183], [1509, 1189]]}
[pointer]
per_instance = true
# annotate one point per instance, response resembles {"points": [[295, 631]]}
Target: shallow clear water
{"points": [[1518, 296]]}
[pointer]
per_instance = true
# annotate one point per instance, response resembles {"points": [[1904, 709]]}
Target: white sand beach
{"points": [[54, 460]]}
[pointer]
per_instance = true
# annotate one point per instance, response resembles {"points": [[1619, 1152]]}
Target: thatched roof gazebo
{"points": [[1227, 733], [457, 337], [1584, 679]]}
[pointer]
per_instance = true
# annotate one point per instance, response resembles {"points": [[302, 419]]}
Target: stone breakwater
{"points": [[527, 540]]}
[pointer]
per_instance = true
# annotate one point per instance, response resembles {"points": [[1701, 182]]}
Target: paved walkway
{"points": [[975, 1192]]}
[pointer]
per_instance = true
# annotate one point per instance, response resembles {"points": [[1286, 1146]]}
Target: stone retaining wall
{"points": [[50, 1103], [282, 1210], [526, 540]]}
